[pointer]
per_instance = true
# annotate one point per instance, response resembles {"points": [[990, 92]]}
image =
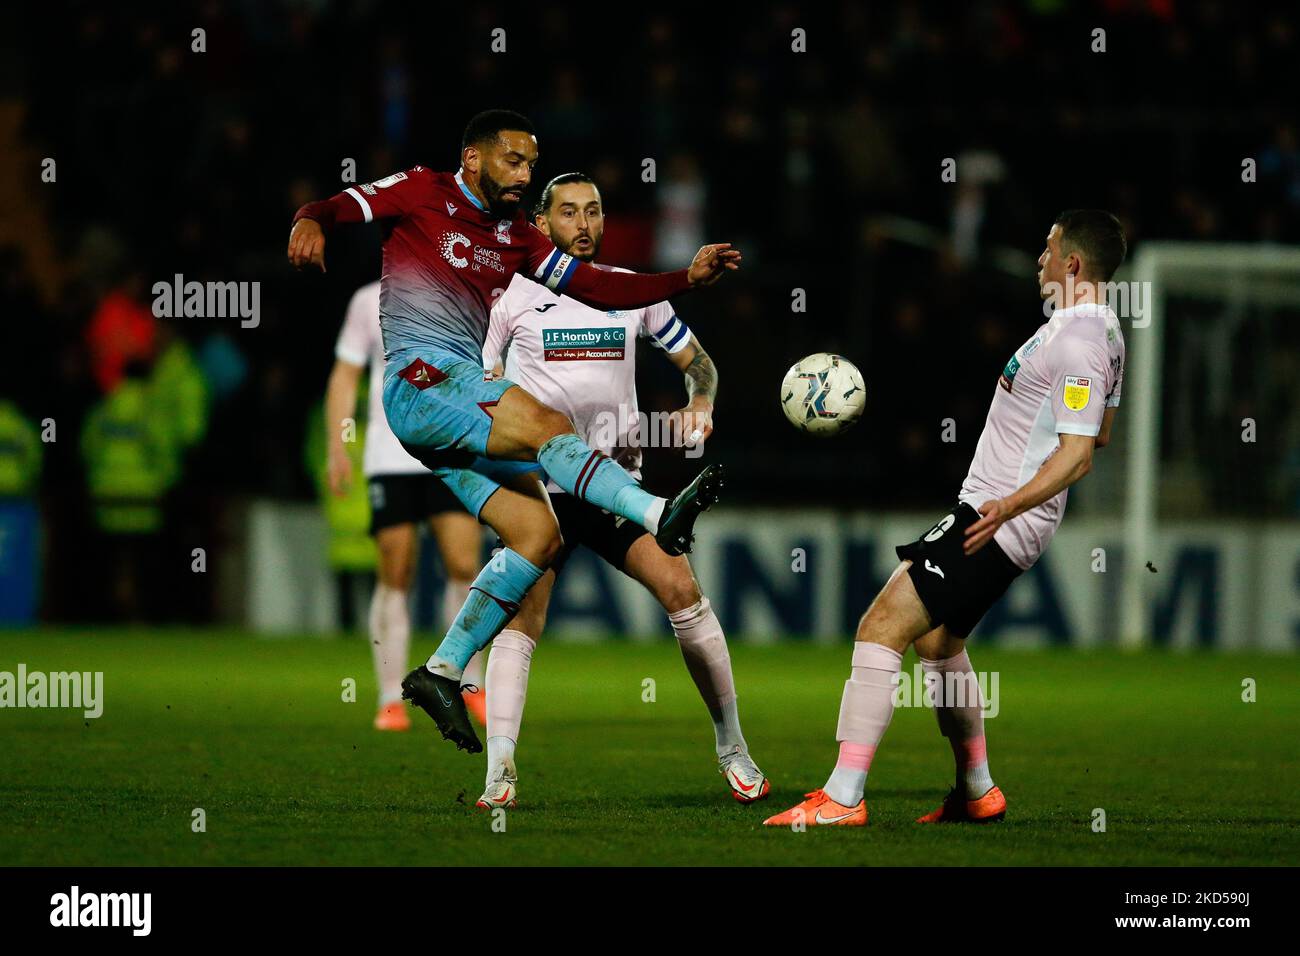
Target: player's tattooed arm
{"points": [[701, 373], [695, 421]]}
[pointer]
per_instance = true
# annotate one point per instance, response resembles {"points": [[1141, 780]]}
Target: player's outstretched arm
{"points": [[712, 262], [307, 244], [1073, 460], [307, 236], [603, 289], [385, 198]]}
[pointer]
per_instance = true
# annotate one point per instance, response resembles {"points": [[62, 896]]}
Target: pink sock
{"points": [[865, 711], [390, 640], [704, 648], [953, 689]]}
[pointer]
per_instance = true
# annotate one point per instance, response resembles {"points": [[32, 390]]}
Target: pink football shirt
{"points": [[581, 361], [1060, 382]]}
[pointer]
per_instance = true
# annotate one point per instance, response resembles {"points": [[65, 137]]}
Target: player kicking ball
{"points": [[1053, 404], [582, 362], [450, 242], [403, 494]]}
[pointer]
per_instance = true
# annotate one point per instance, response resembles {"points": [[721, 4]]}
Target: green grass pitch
{"points": [[256, 734]]}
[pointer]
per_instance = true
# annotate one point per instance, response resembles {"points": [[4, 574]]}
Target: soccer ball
{"points": [[823, 394]]}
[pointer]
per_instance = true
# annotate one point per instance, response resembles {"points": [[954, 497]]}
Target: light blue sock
{"points": [[592, 477], [493, 600]]}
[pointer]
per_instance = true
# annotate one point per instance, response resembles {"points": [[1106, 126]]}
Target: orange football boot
{"points": [[819, 810], [956, 809], [476, 704], [393, 717]]}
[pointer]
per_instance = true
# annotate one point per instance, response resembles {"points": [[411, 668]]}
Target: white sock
{"points": [[865, 711], [654, 514], [704, 648], [443, 668], [954, 690], [499, 750], [507, 690], [473, 674], [390, 640], [846, 786]]}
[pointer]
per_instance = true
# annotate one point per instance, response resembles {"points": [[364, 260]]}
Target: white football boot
{"points": [[747, 782], [502, 787]]}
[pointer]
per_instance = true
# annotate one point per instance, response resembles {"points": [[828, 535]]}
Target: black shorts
{"points": [[581, 524], [408, 499], [609, 535], [957, 590]]}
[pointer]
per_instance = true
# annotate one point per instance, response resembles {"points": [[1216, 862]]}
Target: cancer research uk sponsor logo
{"points": [[459, 251], [179, 299], [75, 908], [82, 690], [584, 345]]}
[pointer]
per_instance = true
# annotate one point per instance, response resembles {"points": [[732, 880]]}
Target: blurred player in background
{"points": [[582, 362], [1054, 403], [451, 241], [403, 493]]}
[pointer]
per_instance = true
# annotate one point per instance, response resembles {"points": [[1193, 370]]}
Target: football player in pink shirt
{"points": [[1053, 404]]}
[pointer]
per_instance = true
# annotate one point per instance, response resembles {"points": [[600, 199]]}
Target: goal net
{"points": [[1208, 433]]}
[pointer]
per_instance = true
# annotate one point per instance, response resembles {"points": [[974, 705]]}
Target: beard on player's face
{"points": [[503, 199], [586, 251]]}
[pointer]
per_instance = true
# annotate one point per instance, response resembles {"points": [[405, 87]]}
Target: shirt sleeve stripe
{"points": [[1069, 428], [351, 356], [361, 201]]}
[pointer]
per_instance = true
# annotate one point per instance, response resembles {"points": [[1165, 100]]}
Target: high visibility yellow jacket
{"points": [[20, 453], [131, 459], [350, 546]]}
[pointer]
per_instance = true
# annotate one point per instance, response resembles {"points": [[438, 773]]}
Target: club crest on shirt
{"points": [[503, 231], [1078, 390]]}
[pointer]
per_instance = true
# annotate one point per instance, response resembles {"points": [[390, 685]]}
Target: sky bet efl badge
{"points": [[1078, 390]]}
